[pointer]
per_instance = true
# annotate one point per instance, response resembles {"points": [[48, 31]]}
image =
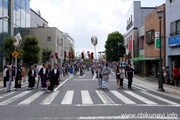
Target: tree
{"points": [[9, 48], [46, 55], [112, 49], [31, 49]]}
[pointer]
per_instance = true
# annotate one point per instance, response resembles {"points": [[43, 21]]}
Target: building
{"points": [[18, 12], [54, 39], [37, 20], [172, 34], [135, 20], [151, 42]]}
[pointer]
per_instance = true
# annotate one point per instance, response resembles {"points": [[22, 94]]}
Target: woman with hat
{"points": [[18, 78]]}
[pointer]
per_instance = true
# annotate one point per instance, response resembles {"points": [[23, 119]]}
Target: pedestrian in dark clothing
{"points": [[50, 80], [9, 78], [18, 79], [129, 75], [55, 75], [43, 74], [32, 76], [4, 75]]}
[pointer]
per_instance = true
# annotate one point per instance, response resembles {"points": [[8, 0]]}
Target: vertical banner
{"points": [[130, 45]]}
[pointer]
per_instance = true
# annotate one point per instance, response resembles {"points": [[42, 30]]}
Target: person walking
{"points": [[105, 72], [37, 71], [176, 75], [50, 80], [99, 76], [71, 71], [43, 74], [4, 75], [55, 75], [122, 72], [9, 78], [118, 77], [129, 75], [18, 79], [31, 77], [167, 76]]}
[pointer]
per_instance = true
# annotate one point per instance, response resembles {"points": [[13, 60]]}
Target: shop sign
{"points": [[174, 41], [130, 45], [157, 43]]}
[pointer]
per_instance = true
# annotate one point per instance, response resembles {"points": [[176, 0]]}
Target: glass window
{"points": [[5, 6], [5, 23], [23, 18], [23, 4], [1, 26], [1, 8], [48, 38], [27, 6], [150, 37], [28, 20], [173, 29], [178, 26], [18, 16], [14, 12], [18, 2]]}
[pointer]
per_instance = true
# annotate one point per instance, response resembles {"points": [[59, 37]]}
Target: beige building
{"points": [[54, 39]]}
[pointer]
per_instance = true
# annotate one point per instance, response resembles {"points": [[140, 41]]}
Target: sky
{"points": [[84, 18]]}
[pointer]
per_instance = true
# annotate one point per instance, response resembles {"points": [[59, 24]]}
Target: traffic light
{"points": [[64, 54], [56, 54], [92, 55], [82, 55]]}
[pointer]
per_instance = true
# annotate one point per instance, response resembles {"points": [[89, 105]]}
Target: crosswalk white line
{"points": [[86, 98], [160, 98], [105, 99], [122, 97], [31, 98], [143, 99], [68, 97], [5, 95], [10, 100], [50, 98]]}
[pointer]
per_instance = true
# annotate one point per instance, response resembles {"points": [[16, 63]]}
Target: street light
{"points": [[160, 81]]}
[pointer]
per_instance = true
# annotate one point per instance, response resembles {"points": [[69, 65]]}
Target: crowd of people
{"points": [[49, 76]]}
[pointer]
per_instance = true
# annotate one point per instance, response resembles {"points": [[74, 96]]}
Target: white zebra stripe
{"points": [[122, 97], [140, 98], [105, 99], [68, 97], [49, 98], [86, 98], [5, 95], [10, 100], [160, 98], [31, 98]]}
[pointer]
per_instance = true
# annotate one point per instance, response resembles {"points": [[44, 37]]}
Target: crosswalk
{"points": [[93, 97]]}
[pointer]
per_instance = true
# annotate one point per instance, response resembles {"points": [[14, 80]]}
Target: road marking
{"points": [[105, 99], [122, 97], [10, 100], [81, 79], [31, 98], [5, 95], [94, 76], [68, 97], [82, 76], [63, 83], [50, 98], [12, 86], [140, 97], [160, 98], [86, 98]]}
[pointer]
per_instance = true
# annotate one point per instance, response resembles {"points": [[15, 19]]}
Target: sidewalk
{"points": [[152, 84]]}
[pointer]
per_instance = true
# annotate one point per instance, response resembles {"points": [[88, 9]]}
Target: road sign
{"points": [[156, 34], [68, 58], [51, 56], [15, 54], [157, 43]]}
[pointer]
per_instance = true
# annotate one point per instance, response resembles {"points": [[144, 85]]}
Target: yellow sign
{"points": [[68, 58], [15, 54]]}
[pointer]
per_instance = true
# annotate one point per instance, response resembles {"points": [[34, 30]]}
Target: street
{"points": [[80, 98]]}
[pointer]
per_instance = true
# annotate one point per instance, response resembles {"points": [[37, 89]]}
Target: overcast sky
{"points": [[84, 18]]}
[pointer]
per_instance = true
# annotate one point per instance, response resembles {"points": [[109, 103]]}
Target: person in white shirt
{"points": [[122, 73], [4, 75], [32, 76]]}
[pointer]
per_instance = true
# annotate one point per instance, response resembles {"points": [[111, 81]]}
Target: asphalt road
{"points": [[79, 98]]}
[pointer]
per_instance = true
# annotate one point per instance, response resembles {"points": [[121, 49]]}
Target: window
{"points": [[175, 28], [150, 37], [23, 4], [23, 18], [18, 2], [48, 38], [5, 6], [27, 6], [1, 8]]}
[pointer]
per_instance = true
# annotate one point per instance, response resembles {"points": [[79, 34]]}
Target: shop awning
{"points": [[137, 58], [151, 58]]}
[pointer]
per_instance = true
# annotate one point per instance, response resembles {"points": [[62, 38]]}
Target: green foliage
{"points": [[9, 49], [46, 55], [31, 49], [113, 50]]}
